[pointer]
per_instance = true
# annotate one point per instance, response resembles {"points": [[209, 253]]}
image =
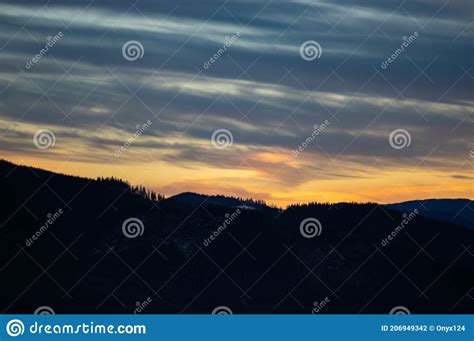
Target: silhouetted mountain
{"points": [[196, 199], [455, 211], [192, 256]]}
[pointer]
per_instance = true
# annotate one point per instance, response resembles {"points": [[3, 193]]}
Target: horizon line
{"points": [[228, 196]]}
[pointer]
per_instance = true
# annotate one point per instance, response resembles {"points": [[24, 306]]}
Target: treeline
{"points": [[325, 204], [137, 190], [251, 202]]}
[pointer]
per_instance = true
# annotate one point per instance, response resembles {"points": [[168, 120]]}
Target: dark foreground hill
{"points": [[69, 243]]}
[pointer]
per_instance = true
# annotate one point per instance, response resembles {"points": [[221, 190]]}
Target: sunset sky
{"points": [[260, 90]]}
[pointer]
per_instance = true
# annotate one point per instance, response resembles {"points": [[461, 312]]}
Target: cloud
{"points": [[259, 88]]}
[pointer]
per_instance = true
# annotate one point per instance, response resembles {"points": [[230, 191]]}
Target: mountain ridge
{"points": [[456, 211], [190, 258], [221, 199]]}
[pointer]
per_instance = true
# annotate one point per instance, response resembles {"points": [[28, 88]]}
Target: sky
{"points": [[284, 101]]}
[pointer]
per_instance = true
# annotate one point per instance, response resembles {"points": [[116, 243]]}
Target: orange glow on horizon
{"points": [[168, 179]]}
